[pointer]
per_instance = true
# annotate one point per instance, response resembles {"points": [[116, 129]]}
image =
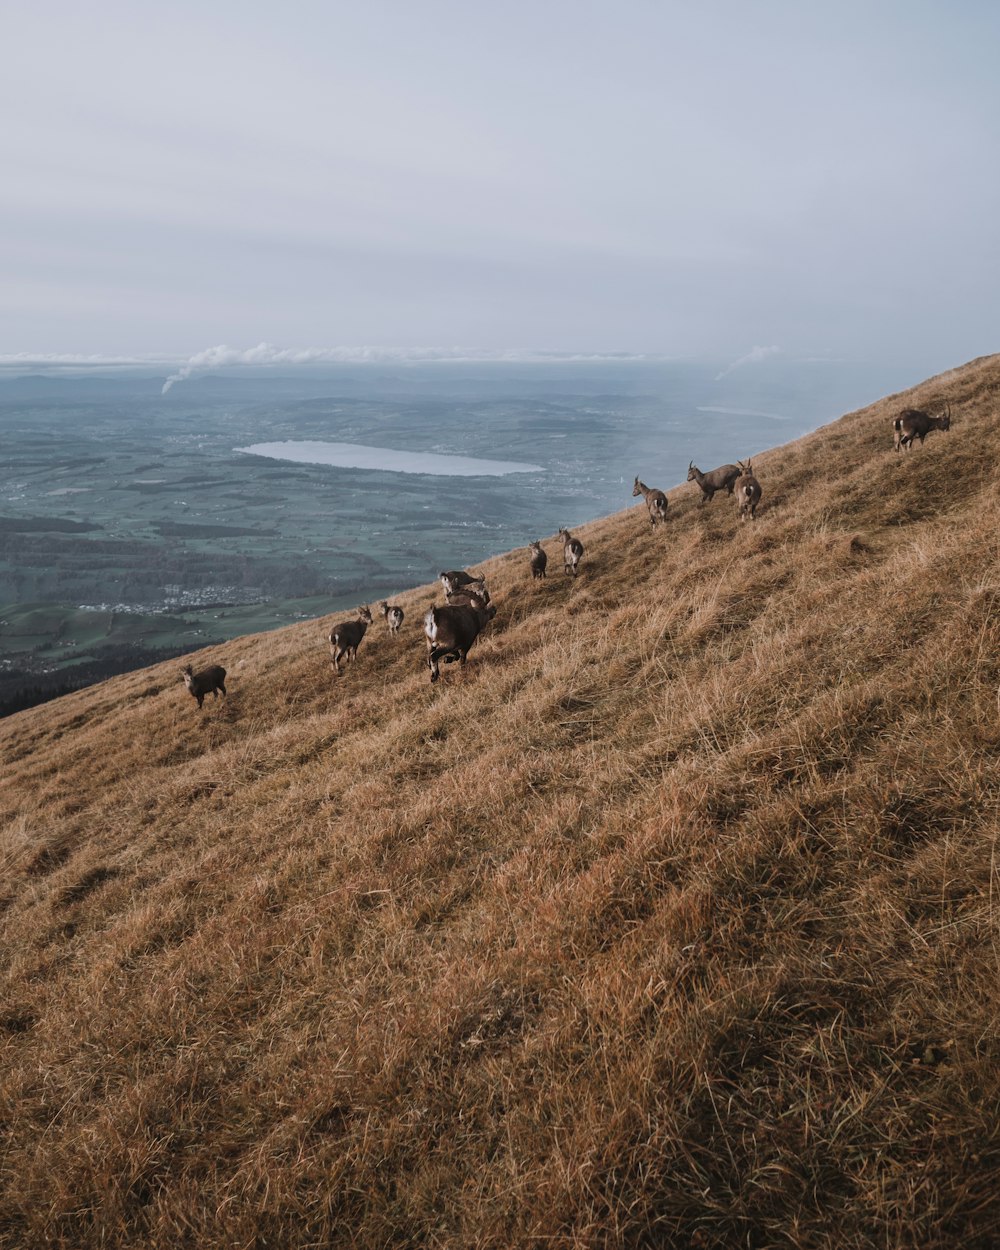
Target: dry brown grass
{"points": [[674, 920]]}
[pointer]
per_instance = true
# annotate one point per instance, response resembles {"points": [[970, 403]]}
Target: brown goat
{"points": [[912, 423], [538, 560], [346, 637], [451, 630], [747, 491], [458, 579], [392, 615], [210, 680], [722, 478], [656, 502], [572, 551]]}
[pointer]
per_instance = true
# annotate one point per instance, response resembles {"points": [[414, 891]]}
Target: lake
{"points": [[386, 459]]}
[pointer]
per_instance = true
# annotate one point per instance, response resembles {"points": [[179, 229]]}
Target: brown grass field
{"points": [[672, 920]]}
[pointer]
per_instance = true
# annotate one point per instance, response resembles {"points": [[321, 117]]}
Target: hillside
{"points": [[670, 921]]}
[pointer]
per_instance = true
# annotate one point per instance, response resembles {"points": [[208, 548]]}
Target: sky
{"points": [[716, 179]]}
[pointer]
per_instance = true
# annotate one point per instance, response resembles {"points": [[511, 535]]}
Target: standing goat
{"points": [[346, 637], [722, 478], [656, 502], [451, 630], [572, 551], [912, 423], [392, 616], [746, 488], [538, 560], [206, 681]]}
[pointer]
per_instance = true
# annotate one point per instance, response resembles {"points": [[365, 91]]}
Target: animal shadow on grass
{"points": [[49, 858], [222, 710], [88, 883]]}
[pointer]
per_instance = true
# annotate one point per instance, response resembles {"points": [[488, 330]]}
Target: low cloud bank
{"points": [[68, 360], [266, 354]]}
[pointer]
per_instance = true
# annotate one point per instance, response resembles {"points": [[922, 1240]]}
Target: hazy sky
{"points": [[646, 175]]}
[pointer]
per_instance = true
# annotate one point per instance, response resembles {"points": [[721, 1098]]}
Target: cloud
{"points": [[68, 360], [754, 356], [266, 354]]}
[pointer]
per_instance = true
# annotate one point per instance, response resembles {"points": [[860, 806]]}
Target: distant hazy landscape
{"points": [[135, 525]]}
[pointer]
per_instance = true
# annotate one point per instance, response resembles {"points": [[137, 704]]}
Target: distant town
{"points": [[176, 597]]}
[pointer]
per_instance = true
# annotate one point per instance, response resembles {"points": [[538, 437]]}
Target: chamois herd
{"points": [[451, 628]]}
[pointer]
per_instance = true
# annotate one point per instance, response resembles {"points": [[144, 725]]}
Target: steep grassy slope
{"points": [[670, 921]]}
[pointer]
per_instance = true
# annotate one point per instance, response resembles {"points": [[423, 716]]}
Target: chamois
{"points": [[747, 491], [346, 637], [206, 681], [451, 630], [656, 502], [722, 478], [572, 551], [538, 560], [912, 423], [392, 615]]}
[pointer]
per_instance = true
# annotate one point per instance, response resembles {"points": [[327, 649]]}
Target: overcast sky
{"points": [[657, 176]]}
